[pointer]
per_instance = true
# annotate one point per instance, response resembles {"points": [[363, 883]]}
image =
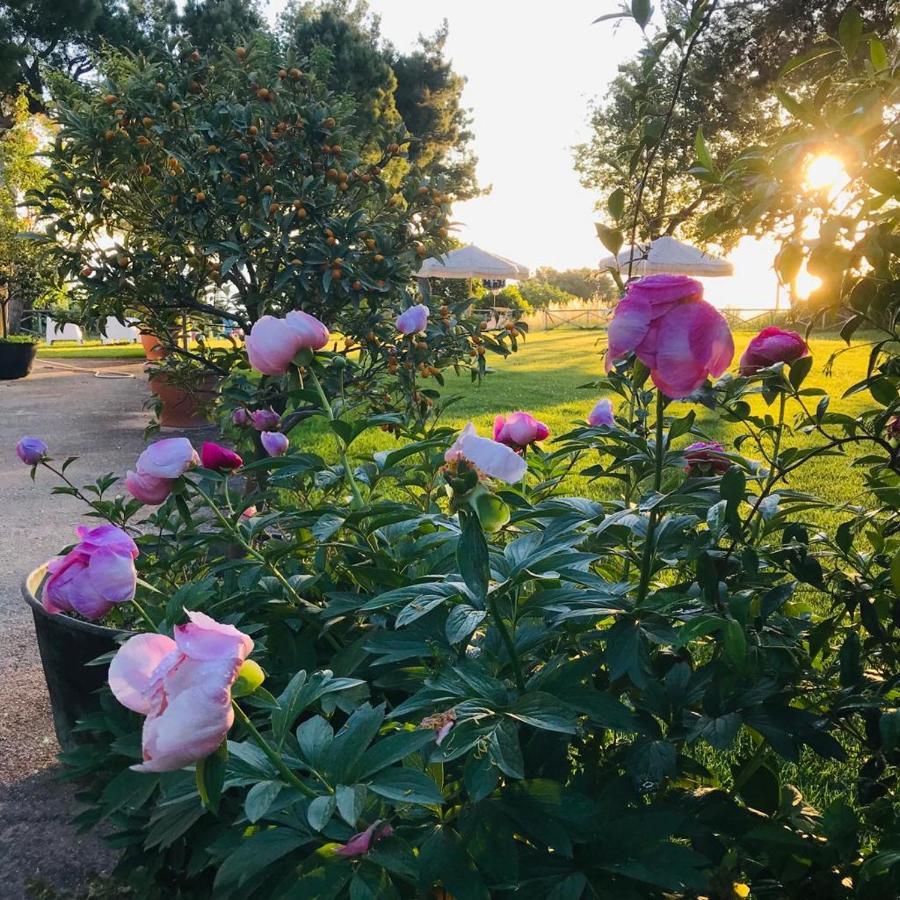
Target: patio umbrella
{"points": [[665, 255], [472, 262]]}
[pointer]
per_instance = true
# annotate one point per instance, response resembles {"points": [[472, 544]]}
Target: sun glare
{"points": [[825, 172]]}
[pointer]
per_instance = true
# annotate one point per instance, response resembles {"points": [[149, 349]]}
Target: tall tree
{"points": [[725, 91], [418, 90]]}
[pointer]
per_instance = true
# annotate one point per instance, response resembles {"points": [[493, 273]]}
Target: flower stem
{"points": [[647, 559], [329, 412], [144, 615], [235, 532], [271, 753], [508, 642]]}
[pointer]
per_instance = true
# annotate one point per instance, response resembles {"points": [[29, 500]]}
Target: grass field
{"points": [[544, 378], [90, 350]]}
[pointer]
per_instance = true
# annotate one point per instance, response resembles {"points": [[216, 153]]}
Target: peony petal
{"points": [[206, 639], [711, 337], [149, 489], [110, 536], [112, 575], [679, 371], [310, 333], [628, 327], [663, 292], [494, 459], [132, 669], [168, 458], [271, 345]]}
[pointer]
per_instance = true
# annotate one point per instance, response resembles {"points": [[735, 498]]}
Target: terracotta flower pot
{"points": [[183, 407], [68, 647], [152, 347]]}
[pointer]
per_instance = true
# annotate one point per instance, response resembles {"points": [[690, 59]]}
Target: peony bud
{"points": [[215, 456], [31, 450], [274, 443]]}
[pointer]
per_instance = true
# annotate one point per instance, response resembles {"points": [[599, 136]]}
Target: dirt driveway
{"points": [[101, 421]]}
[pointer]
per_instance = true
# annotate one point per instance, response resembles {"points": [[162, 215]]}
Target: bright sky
{"points": [[532, 69]]}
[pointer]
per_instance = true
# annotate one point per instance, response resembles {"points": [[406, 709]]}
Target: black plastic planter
{"points": [[16, 359], [67, 646]]}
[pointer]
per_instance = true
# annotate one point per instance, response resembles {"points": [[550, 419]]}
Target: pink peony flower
{"points": [[519, 429], [94, 576], [274, 443], [31, 450], [215, 456], [704, 458], [273, 343], [168, 458], [490, 457], [149, 489], [772, 345], [240, 417], [265, 419], [361, 843], [680, 337], [413, 320], [602, 413], [182, 686]]}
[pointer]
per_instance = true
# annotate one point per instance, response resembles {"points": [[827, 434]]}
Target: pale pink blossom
{"points": [[602, 413], [519, 429], [490, 457], [413, 319]]}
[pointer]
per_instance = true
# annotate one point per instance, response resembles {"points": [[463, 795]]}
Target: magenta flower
{"points": [[602, 413], [265, 419], [273, 343], [149, 489], [491, 458], [274, 443], [772, 345], [704, 458], [680, 337], [519, 429], [215, 456], [413, 320], [94, 576], [362, 843], [240, 417], [182, 686], [31, 450]]}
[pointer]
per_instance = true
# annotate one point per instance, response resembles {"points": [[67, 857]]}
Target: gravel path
{"points": [[101, 421]]}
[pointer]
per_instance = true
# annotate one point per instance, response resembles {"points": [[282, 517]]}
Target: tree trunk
{"points": [[15, 308]]}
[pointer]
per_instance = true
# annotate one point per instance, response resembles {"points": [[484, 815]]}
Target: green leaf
{"points": [[505, 750], [544, 711], [407, 786], [733, 486], [735, 642], [611, 238], [210, 776], [802, 59], [889, 726], [718, 731], [462, 621], [350, 802], [800, 368], [758, 786], [320, 811], [850, 30], [393, 749], [480, 776], [259, 798], [314, 737], [702, 152], [254, 855], [641, 11], [788, 261], [615, 203], [883, 180], [878, 54], [895, 571], [351, 741], [472, 556]]}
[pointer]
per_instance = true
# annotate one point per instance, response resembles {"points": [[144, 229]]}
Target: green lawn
{"points": [[544, 378], [90, 350]]}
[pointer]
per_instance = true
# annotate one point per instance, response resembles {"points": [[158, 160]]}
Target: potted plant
{"points": [[184, 391], [17, 351]]}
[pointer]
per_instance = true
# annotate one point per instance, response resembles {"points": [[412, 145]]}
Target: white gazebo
{"points": [[472, 262], [668, 256]]}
